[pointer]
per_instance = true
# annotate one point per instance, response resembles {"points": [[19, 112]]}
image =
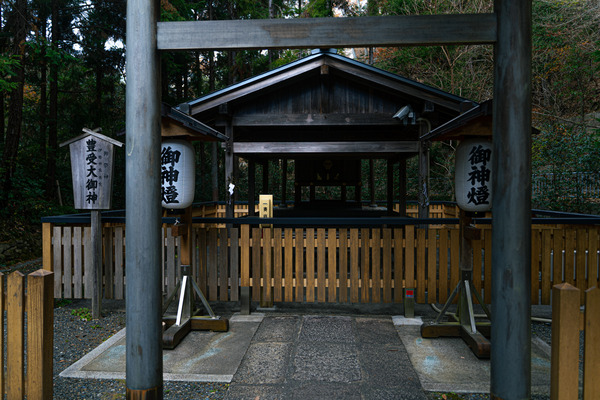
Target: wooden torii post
{"points": [[508, 28]]}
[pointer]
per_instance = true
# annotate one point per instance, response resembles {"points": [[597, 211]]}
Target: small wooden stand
{"points": [[179, 325], [474, 334]]}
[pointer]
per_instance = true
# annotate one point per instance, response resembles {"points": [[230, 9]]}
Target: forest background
{"points": [[62, 68]]}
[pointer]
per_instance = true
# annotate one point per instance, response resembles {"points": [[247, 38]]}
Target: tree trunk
{"points": [[16, 24]]}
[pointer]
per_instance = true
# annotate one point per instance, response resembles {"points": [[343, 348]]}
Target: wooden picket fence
{"points": [[34, 310], [565, 343], [367, 265]]}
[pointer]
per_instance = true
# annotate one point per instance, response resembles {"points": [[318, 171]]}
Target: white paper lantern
{"points": [[473, 175], [178, 174]]}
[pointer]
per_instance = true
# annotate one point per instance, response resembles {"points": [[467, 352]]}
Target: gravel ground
{"points": [[74, 337]]}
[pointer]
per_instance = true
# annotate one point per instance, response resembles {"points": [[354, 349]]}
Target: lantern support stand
{"points": [[179, 325], [474, 333]]}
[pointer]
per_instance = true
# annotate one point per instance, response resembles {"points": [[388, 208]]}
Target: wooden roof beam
{"points": [[404, 30], [341, 148]]}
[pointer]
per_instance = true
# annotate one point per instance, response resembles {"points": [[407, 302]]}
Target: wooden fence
{"points": [[36, 311], [565, 344], [367, 265]]}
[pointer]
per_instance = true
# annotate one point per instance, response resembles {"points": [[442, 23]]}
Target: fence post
{"points": [[47, 246], [15, 303], [40, 337], [564, 374], [591, 355]]}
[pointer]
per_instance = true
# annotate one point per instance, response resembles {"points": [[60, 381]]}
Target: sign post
{"points": [[92, 166]]}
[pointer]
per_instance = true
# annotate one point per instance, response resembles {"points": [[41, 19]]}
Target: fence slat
{"points": [[343, 265], [376, 265], [332, 264], [288, 253], [387, 265], [67, 242], [546, 250], [398, 264], [310, 265], [580, 280], [40, 321], [443, 269], [364, 264], [354, 265], [234, 262], [223, 265], [454, 257], [267, 296], [321, 297], [256, 263], [57, 261], [432, 247], [170, 272], [557, 247], [299, 264], [564, 374], [487, 264], [535, 266], [119, 264], [15, 318], [88, 270], [277, 264], [211, 268], [109, 279], [409, 259], [570, 256], [421, 265], [591, 354]]}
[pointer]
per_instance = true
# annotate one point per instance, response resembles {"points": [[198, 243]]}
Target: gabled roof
{"points": [[324, 58]]}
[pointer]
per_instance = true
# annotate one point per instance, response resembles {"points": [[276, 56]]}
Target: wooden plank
{"points": [[57, 261], [570, 243], [245, 255], [332, 265], [343, 265], [277, 265], [580, 263], [398, 264], [557, 249], [365, 255], [432, 248], [234, 264], [310, 265], [109, 279], [256, 262], [223, 265], [564, 371], [261, 34], [376, 265], [67, 267], [356, 147], [443, 268], [288, 254], [387, 265], [40, 325], [487, 265], [546, 250], [299, 264], [267, 271], [421, 265], [119, 264], [454, 257], [321, 283], [212, 265], [535, 265], [291, 119], [46, 247], [409, 260], [15, 318], [591, 352], [88, 270], [354, 265], [2, 338]]}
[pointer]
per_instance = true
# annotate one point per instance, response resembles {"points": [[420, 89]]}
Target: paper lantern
{"points": [[473, 175], [178, 174]]}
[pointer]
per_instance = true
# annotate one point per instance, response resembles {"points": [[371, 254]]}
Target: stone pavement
{"points": [[326, 357]]}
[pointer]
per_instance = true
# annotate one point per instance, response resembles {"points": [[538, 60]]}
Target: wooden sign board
{"points": [[92, 156]]}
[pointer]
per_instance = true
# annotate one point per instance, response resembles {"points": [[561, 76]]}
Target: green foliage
{"points": [[82, 313]]}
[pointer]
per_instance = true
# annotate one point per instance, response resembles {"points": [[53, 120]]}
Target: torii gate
{"points": [[508, 29]]}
